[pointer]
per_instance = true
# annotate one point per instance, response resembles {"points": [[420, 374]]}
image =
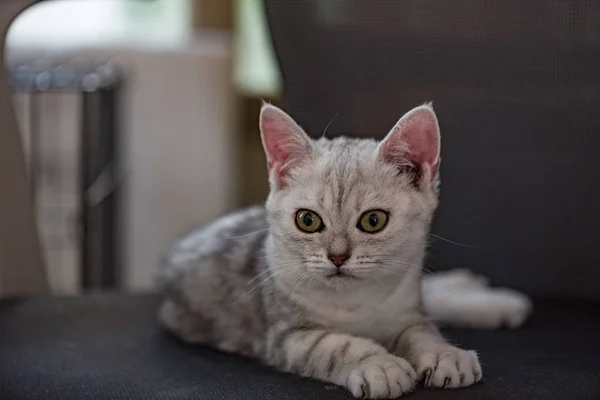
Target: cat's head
{"points": [[347, 211]]}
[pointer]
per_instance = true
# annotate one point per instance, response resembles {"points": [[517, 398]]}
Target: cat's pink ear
{"points": [[286, 145], [414, 142]]}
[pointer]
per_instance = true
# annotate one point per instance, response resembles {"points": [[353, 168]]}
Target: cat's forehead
{"points": [[344, 161], [345, 146], [343, 154], [346, 174]]}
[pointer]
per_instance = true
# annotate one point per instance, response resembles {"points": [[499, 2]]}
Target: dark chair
{"points": [[517, 90], [516, 87]]}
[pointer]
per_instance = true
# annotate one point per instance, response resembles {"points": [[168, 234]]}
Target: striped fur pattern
{"points": [[252, 283]]}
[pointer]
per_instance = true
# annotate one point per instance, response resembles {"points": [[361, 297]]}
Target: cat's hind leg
{"points": [[462, 299], [212, 326], [187, 326]]}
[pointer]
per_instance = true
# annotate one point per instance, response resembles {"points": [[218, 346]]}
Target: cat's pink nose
{"points": [[338, 261]]}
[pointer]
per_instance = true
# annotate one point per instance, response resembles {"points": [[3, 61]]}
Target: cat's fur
{"points": [[252, 283]]}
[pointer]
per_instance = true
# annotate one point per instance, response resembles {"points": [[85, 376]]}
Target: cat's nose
{"points": [[338, 261]]}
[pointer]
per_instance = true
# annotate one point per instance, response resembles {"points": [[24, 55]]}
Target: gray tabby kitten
{"points": [[325, 281]]}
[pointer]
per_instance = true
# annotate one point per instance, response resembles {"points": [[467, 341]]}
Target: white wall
{"points": [[181, 152], [179, 127]]}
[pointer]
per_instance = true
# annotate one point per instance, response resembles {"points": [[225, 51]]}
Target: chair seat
{"points": [[109, 347]]}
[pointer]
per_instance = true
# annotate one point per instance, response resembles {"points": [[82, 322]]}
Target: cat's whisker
{"points": [[310, 278], [288, 264], [287, 258], [291, 264], [400, 260], [377, 280], [255, 288], [380, 262], [396, 271], [391, 257], [302, 278], [423, 271], [246, 234], [267, 278], [396, 259], [452, 241], [407, 268], [431, 267]]}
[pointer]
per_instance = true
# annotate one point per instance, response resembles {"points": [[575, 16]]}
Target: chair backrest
{"points": [[21, 267], [516, 86]]}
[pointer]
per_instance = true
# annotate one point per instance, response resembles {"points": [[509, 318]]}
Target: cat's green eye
{"points": [[309, 221], [373, 221]]}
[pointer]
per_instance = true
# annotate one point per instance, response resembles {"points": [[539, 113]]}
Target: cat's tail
{"points": [[460, 298]]}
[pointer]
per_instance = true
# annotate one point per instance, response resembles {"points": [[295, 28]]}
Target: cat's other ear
{"points": [[286, 144], [413, 144]]}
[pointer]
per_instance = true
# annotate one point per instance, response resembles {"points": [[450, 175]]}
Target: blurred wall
{"points": [[181, 151]]}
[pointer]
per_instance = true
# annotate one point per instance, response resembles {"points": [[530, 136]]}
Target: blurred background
{"points": [[139, 121]]}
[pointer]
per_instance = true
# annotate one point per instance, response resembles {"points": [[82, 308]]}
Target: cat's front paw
{"points": [[448, 367], [382, 376]]}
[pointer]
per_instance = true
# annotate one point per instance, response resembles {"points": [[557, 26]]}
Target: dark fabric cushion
{"points": [[109, 347]]}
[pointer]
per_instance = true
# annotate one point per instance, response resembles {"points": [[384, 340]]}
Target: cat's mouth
{"points": [[339, 274]]}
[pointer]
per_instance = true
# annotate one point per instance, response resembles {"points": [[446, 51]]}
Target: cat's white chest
{"points": [[376, 318], [379, 322]]}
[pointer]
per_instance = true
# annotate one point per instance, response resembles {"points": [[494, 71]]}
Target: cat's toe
{"points": [[386, 377], [503, 308], [469, 368], [516, 307], [357, 385], [449, 368], [446, 373]]}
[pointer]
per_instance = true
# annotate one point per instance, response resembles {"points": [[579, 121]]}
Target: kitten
{"points": [[325, 281]]}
